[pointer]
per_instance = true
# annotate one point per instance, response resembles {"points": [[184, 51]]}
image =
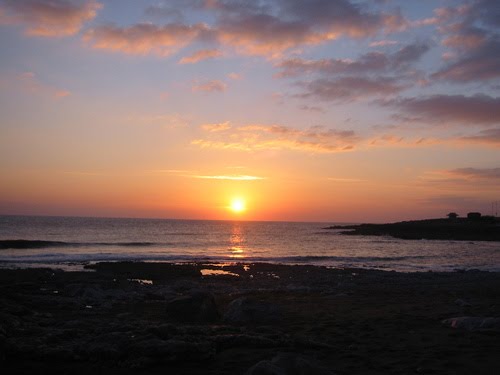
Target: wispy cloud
{"points": [[193, 174], [30, 83], [277, 137], [478, 110], [255, 29], [231, 177], [48, 18], [345, 180], [348, 89], [476, 173], [383, 43], [144, 38], [168, 120], [489, 137], [470, 31], [372, 62], [216, 127], [209, 86], [234, 76], [373, 74], [200, 55]]}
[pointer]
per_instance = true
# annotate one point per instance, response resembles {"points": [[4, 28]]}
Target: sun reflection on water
{"points": [[237, 241]]}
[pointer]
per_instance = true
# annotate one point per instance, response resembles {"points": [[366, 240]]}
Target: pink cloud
{"points": [[383, 43], [278, 137], [253, 29], [209, 86], [49, 18], [216, 127], [200, 55], [479, 110], [30, 83], [347, 89], [143, 39]]}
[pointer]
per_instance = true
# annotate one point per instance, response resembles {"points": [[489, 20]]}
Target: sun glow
{"points": [[237, 205]]}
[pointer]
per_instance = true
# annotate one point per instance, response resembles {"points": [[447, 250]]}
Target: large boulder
{"points": [[473, 323], [173, 350], [197, 307], [288, 364], [251, 311]]}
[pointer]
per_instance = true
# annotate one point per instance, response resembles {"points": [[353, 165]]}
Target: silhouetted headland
{"points": [[472, 228]]}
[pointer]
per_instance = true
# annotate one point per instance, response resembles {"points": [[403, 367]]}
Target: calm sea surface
{"points": [[69, 240]]}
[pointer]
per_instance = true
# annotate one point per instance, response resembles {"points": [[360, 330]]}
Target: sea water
{"points": [[63, 241]]}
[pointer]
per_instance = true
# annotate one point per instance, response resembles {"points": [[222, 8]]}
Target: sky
{"points": [[319, 110]]}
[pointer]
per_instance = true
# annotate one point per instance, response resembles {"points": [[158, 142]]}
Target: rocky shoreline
{"points": [[124, 318]]}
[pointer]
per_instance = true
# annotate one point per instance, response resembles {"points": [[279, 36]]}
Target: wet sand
{"points": [[159, 318]]}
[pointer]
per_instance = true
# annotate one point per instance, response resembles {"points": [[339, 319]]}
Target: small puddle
{"points": [[210, 272], [142, 281]]}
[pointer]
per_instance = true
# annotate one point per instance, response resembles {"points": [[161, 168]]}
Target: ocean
{"points": [[69, 242]]}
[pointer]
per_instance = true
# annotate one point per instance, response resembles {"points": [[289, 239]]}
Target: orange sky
{"points": [[172, 109]]}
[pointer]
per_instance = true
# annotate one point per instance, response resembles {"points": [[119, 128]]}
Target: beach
{"points": [[197, 318]]}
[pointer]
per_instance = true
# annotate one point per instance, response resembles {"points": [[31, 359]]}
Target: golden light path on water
{"points": [[237, 241]]}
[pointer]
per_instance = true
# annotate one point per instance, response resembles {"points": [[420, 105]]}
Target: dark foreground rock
{"points": [[197, 307], [474, 323], [136, 318], [251, 311], [288, 364]]}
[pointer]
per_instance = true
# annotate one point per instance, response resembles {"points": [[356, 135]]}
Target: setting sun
{"points": [[237, 205]]}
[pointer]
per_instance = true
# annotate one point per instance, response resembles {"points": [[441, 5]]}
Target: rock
{"points": [[265, 368], [86, 292], [288, 364], [173, 350], [198, 307], [462, 303], [247, 310], [241, 340], [472, 323]]}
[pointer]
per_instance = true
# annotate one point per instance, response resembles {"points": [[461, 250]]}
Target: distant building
{"points": [[474, 215], [452, 215]]}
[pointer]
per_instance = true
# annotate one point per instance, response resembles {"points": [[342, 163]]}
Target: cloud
{"points": [[345, 180], [296, 23], [231, 178], [48, 18], [264, 34], [277, 137], [343, 17], [311, 108], [372, 62], [372, 74], [267, 28], [234, 76], [216, 127], [476, 173], [458, 203], [145, 38], [347, 89], [271, 28], [489, 137], [30, 83], [209, 86], [168, 121], [479, 64], [471, 32], [383, 43], [200, 55], [478, 110], [193, 174]]}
